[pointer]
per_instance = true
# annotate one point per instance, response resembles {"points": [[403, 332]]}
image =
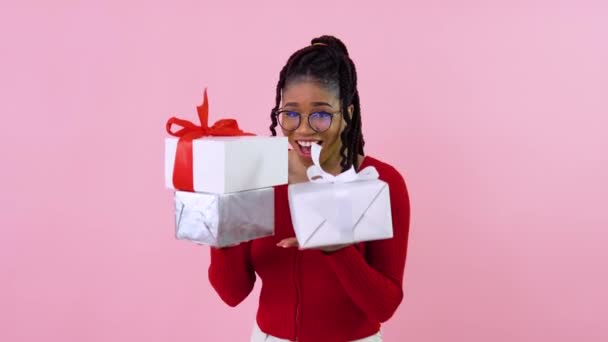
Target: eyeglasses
{"points": [[319, 121]]}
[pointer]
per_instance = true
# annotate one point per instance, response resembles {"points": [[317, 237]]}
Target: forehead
{"points": [[306, 91]]}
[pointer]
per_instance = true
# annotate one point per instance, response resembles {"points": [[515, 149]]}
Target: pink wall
{"points": [[495, 111]]}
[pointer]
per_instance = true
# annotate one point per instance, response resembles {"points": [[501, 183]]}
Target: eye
{"points": [[321, 115], [290, 114]]}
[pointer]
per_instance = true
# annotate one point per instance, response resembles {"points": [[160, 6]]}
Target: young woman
{"points": [[337, 293]]}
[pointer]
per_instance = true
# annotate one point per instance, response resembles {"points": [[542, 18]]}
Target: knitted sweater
{"points": [[312, 296]]}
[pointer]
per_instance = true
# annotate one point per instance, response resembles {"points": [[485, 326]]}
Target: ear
{"points": [[350, 109]]}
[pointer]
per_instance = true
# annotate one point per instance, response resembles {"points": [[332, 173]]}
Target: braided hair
{"points": [[326, 60]]}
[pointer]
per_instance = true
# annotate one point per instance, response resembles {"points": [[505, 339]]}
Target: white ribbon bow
{"points": [[316, 174]]}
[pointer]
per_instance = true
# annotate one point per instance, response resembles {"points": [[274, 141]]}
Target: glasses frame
{"points": [[331, 120]]}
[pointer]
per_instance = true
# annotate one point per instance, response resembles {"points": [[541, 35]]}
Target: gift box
{"points": [[221, 158], [231, 164], [224, 219], [332, 210]]}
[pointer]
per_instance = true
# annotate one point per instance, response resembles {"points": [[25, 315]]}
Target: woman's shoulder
{"points": [[387, 172], [396, 183]]}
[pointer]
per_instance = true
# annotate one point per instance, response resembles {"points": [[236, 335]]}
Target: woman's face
{"points": [[307, 97]]}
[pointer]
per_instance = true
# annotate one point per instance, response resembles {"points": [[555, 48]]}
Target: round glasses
{"points": [[290, 120]]}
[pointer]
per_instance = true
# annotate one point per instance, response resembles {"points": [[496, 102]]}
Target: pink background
{"points": [[494, 111]]}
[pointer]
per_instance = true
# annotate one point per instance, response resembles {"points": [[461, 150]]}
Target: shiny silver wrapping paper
{"points": [[224, 219]]}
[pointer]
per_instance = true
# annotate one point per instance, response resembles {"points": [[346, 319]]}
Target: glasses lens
{"points": [[320, 121], [289, 120]]}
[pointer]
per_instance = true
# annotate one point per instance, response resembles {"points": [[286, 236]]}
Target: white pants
{"points": [[258, 335]]}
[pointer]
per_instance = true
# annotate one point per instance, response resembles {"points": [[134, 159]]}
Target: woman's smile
{"points": [[303, 146]]}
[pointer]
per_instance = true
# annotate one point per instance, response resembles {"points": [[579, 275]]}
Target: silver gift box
{"points": [[224, 219]]}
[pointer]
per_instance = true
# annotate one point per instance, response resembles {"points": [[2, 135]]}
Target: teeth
{"points": [[306, 143]]}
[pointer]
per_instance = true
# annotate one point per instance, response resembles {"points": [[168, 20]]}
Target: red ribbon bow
{"points": [[183, 178]]}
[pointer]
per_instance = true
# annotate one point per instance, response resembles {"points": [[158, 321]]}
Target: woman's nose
{"points": [[304, 127]]}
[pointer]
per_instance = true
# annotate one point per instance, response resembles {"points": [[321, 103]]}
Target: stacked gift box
{"points": [[223, 179]]}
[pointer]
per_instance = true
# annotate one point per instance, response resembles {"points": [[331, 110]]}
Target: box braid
{"points": [[326, 60]]}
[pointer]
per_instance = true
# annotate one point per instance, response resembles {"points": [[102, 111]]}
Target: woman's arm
{"points": [[231, 273], [375, 281]]}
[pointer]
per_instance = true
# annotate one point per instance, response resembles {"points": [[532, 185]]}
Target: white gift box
{"points": [[224, 219], [341, 209], [231, 164]]}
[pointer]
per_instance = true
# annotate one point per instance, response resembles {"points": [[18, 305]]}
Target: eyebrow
{"points": [[314, 104]]}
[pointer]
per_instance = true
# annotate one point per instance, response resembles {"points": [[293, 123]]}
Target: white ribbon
{"points": [[316, 174], [342, 213]]}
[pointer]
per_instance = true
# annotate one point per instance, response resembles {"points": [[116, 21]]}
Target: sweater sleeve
{"points": [[375, 281], [231, 272]]}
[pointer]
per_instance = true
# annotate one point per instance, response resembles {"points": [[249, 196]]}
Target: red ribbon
{"points": [[183, 178]]}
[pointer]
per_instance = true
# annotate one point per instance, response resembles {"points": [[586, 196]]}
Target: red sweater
{"points": [[310, 296]]}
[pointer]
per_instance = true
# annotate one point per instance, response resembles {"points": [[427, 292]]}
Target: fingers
{"points": [[293, 242], [289, 242]]}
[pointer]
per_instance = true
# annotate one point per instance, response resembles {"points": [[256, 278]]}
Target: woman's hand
{"points": [[293, 242]]}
